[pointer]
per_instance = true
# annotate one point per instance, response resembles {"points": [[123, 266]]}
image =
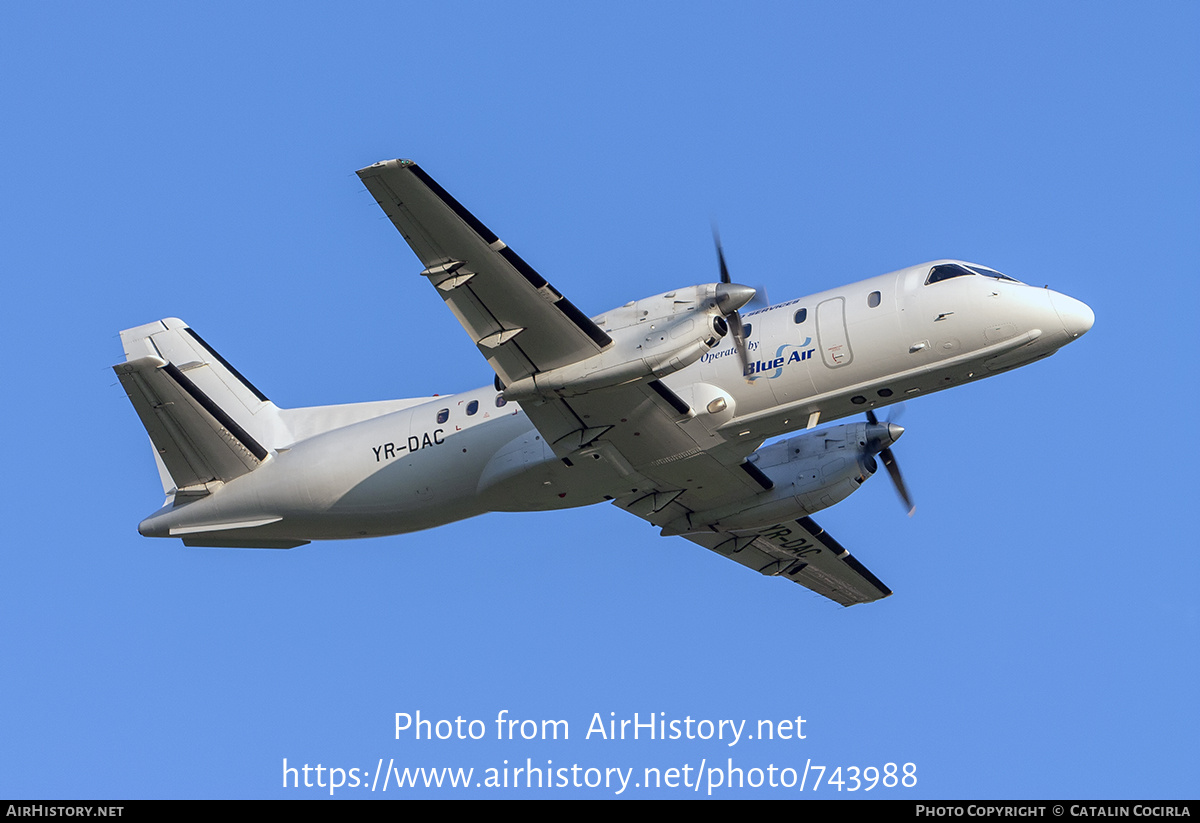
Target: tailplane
{"points": [[208, 424]]}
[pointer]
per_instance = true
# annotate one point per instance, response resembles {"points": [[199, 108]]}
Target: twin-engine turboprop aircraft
{"points": [[661, 405]]}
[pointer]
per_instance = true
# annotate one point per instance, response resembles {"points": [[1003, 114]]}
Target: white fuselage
{"points": [[821, 357]]}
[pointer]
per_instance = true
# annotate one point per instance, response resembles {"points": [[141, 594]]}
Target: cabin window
{"points": [[873, 299], [472, 407], [800, 316], [747, 330], [500, 401], [443, 415]]}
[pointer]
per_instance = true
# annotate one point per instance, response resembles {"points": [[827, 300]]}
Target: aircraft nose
{"points": [[1076, 316]]}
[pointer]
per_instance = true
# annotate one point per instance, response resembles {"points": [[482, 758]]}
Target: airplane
{"points": [[661, 406]]}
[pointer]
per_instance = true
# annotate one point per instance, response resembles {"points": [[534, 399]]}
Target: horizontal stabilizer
{"points": [[197, 441]]}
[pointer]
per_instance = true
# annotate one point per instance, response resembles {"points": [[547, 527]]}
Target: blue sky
{"points": [[166, 161]]}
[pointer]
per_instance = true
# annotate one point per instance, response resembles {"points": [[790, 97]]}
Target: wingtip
{"points": [[398, 163]]}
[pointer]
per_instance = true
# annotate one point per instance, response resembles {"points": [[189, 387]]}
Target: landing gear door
{"points": [[831, 333]]}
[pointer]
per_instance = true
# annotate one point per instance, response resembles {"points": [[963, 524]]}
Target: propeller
{"points": [[889, 460], [731, 297]]}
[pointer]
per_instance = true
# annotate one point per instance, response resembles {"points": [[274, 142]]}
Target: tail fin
{"points": [[207, 423]]}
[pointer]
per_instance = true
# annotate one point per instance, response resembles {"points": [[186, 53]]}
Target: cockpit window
{"points": [[986, 272], [946, 271]]}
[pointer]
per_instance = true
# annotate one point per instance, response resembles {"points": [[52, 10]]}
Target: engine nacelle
{"points": [[809, 472], [650, 338]]}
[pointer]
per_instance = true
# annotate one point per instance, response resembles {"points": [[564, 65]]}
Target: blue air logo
{"points": [[759, 368]]}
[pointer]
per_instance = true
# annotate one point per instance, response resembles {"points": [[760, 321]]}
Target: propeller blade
{"points": [[720, 256], [889, 461], [733, 296], [739, 342]]}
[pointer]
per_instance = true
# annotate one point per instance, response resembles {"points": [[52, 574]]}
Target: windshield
{"points": [[986, 272], [944, 272], [948, 270]]}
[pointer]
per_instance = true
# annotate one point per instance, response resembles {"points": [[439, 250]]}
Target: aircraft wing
{"points": [[803, 552], [520, 323], [674, 468]]}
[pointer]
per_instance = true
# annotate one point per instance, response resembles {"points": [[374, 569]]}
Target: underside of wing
{"points": [[653, 436], [521, 324], [750, 505], [801, 551], [686, 479]]}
